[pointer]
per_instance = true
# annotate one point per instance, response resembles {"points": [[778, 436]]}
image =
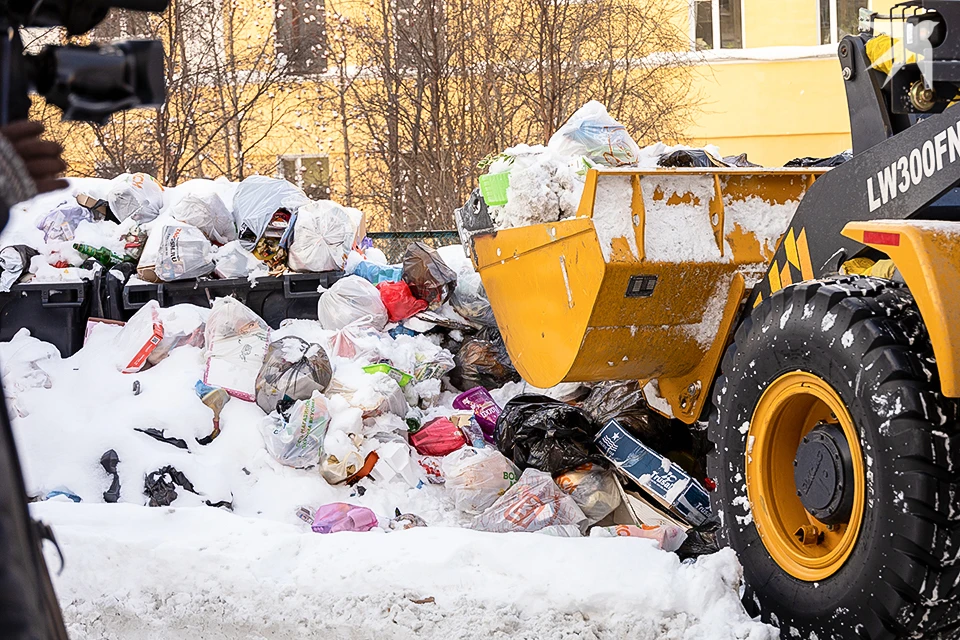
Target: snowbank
{"points": [[134, 572]]}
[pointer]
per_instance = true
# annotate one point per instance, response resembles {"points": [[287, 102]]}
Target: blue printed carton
{"points": [[667, 483]]}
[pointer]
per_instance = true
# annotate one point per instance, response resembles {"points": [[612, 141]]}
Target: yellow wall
{"points": [[774, 110]]}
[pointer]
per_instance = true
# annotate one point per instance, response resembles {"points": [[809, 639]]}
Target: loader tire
{"points": [[816, 366]]}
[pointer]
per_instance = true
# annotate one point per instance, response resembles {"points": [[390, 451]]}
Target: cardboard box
{"points": [[665, 482]]}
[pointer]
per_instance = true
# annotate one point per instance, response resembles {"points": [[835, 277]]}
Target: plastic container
{"points": [[273, 298], [493, 187], [55, 312], [402, 378]]}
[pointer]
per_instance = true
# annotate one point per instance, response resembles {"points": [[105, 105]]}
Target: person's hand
{"points": [[41, 157]]}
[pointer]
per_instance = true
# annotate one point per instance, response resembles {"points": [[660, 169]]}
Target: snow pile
{"points": [[133, 572]]}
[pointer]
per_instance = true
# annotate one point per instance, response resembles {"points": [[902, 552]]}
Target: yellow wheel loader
{"points": [[830, 398]]}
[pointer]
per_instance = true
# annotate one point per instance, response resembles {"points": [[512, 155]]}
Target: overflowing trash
{"points": [[397, 408]]}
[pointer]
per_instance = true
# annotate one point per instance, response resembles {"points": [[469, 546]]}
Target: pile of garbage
{"points": [[533, 184], [395, 385], [212, 229]]}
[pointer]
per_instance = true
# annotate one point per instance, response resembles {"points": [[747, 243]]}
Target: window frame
{"points": [[715, 24], [298, 159], [834, 21]]}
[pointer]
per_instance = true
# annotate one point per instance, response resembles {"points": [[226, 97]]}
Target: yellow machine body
{"points": [[927, 254], [645, 282]]}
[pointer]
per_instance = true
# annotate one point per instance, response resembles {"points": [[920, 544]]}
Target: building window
{"points": [[302, 35], [717, 24], [310, 173], [839, 18]]}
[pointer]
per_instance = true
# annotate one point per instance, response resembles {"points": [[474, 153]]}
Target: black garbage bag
{"points": [[483, 361], [292, 369], [623, 400], [546, 434], [109, 461], [161, 486], [427, 274], [159, 435], [469, 299], [701, 540], [689, 158], [833, 161]]}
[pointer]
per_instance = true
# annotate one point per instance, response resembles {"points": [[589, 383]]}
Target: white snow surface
{"points": [[135, 572]]}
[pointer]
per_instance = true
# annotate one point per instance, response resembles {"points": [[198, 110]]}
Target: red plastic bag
{"points": [[437, 438], [399, 301]]}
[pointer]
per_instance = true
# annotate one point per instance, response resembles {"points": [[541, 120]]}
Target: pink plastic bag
{"points": [[484, 408], [340, 516], [437, 438]]}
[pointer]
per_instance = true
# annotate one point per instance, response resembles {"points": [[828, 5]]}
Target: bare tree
{"points": [[451, 81]]}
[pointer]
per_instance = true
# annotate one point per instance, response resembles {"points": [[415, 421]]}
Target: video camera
{"points": [[89, 83]]}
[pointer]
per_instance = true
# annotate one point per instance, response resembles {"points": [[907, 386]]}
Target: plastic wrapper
{"points": [[236, 340], [469, 299], [434, 367], [135, 195], [322, 237], [477, 477], [533, 503], [255, 202], [60, 225], [340, 516], [668, 537], [399, 301], [483, 361], [623, 400], [481, 403], [404, 521], [177, 333], [429, 277], [437, 438], [184, 253], [595, 490], [296, 438], [14, 263], [341, 457], [351, 301], [139, 337], [293, 369], [233, 261], [208, 213], [376, 273], [593, 133], [431, 465], [215, 399], [689, 158], [540, 432]]}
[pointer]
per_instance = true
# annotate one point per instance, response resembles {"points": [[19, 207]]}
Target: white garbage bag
{"points": [[236, 340], [135, 195], [533, 503], [257, 199], [296, 440], [593, 133], [351, 300], [208, 213], [477, 477], [322, 237], [233, 261], [184, 253]]}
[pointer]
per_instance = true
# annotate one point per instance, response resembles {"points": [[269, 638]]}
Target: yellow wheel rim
{"points": [[788, 409]]}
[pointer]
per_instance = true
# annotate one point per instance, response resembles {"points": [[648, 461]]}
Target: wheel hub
{"points": [[823, 473]]}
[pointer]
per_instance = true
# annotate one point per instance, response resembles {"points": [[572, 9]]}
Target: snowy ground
{"points": [[135, 572]]}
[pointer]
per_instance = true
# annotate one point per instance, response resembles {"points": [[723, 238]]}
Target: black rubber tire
{"points": [[901, 578]]}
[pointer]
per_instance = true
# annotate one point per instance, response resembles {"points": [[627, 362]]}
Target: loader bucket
{"points": [[645, 283]]}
